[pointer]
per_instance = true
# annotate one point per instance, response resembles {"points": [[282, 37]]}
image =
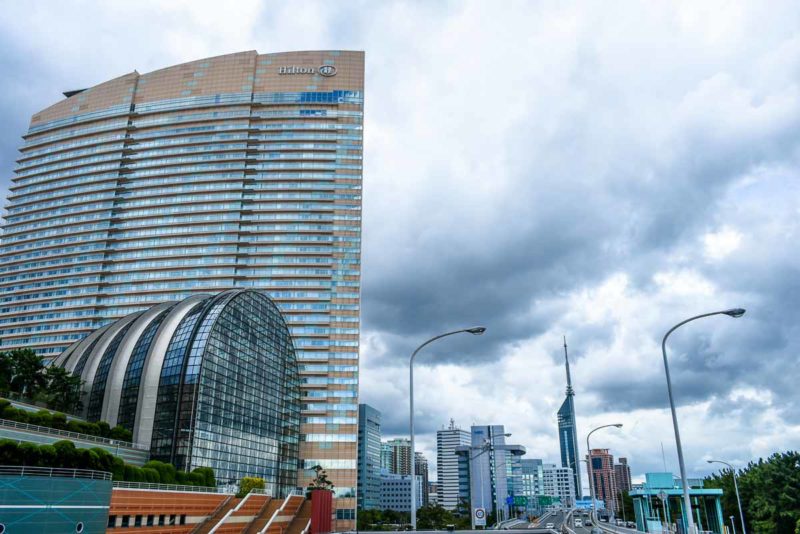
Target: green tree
{"points": [[63, 390], [320, 481], [248, 484], [6, 372], [434, 517], [28, 378], [770, 493]]}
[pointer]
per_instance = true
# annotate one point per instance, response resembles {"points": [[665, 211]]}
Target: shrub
{"points": [[9, 452], [248, 484], [166, 472], [121, 433], [103, 429], [29, 454], [208, 476], [151, 475], [64, 454]]}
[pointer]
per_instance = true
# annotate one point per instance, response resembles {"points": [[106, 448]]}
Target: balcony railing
{"points": [[72, 435], [53, 472]]}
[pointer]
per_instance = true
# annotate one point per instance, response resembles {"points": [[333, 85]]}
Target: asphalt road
{"points": [[557, 519]]}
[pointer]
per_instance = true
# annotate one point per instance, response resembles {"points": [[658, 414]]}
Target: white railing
{"points": [[168, 487], [53, 472], [234, 510], [305, 529], [73, 435], [278, 511]]}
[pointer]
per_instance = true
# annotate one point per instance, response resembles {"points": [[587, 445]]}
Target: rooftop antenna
{"points": [[569, 378]]}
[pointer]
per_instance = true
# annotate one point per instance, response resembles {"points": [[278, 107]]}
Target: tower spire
{"points": [[569, 378]]}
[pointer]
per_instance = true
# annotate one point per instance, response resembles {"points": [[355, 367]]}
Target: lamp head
{"points": [[618, 425], [478, 330], [734, 312]]}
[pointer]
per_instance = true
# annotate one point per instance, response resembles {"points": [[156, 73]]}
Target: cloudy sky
{"points": [[596, 170]]}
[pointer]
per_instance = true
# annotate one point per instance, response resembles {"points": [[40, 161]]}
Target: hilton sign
{"points": [[324, 70]]}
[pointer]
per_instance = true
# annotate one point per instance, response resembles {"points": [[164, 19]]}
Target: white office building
{"points": [[447, 440], [558, 482]]}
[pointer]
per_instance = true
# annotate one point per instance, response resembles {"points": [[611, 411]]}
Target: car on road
{"points": [[549, 525], [596, 530], [578, 522]]}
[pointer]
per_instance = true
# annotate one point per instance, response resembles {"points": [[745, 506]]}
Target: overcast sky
{"points": [[600, 170]]}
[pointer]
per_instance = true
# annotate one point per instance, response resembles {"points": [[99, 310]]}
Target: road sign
{"points": [[509, 500], [545, 500], [520, 500], [479, 514]]}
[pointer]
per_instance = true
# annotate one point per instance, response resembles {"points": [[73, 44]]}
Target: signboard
{"points": [[479, 515], [545, 500], [520, 500]]}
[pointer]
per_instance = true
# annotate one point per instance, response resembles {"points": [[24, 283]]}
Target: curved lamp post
{"points": [[687, 503], [591, 471], [735, 487], [476, 331]]}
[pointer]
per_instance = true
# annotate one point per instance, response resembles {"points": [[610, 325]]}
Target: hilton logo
{"points": [[324, 70]]}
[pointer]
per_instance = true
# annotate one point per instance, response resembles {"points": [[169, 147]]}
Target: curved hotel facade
{"points": [[238, 171], [210, 381]]}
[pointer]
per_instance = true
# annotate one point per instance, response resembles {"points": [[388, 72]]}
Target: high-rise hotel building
{"points": [[237, 171]]}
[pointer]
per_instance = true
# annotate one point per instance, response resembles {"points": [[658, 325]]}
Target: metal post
{"points": [[591, 471], [736, 488], [733, 525], [478, 330], [736, 312]]}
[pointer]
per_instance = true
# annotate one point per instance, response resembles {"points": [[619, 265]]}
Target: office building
{"points": [[421, 469], [558, 483], [399, 456], [602, 477], [622, 475], [567, 430], [396, 492], [533, 484], [210, 381], [494, 469], [238, 171], [386, 457], [369, 457], [447, 464]]}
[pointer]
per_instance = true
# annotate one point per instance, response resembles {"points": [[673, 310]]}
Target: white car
{"points": [[549, 525], [578, 522]]}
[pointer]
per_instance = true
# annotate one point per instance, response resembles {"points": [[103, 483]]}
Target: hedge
{"points": [[64, 454], [59, 421]]}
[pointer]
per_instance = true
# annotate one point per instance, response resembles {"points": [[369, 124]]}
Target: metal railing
{"points": [[53, 472], [168, 487], [73, 435]]}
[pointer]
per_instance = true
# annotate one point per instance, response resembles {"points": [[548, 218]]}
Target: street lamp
{"points": [[687, 503], [735, 487], [589, 463], [476, 331]]}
